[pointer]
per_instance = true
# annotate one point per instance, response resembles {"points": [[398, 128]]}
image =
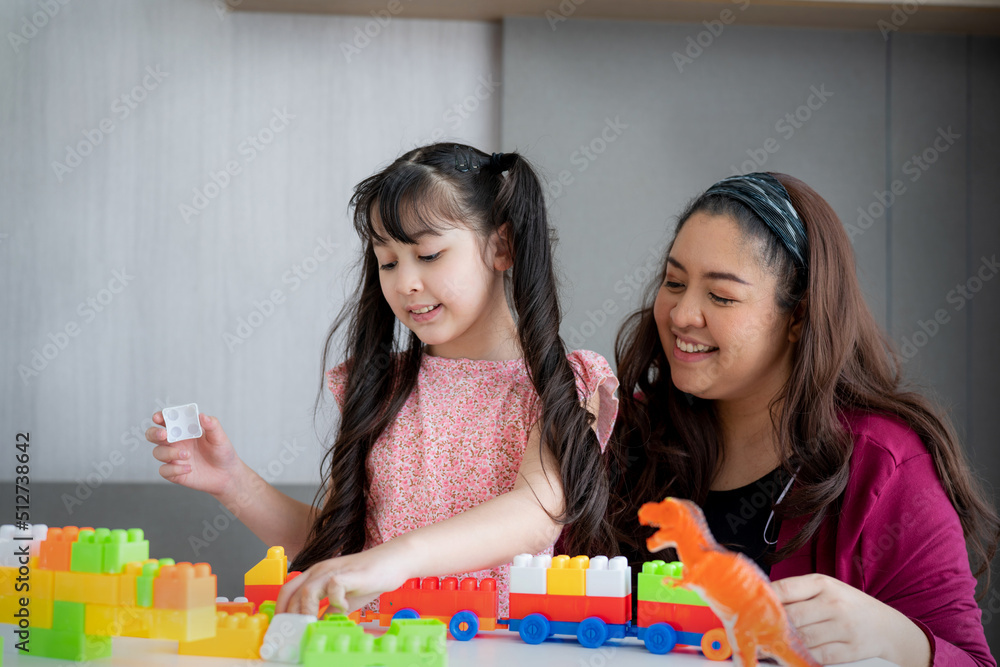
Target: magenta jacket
{"points": [[899, 540]]}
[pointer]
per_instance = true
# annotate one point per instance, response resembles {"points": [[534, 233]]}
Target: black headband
{"points": [[767, 198]]}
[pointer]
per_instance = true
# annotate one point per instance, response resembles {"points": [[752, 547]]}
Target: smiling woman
{"points": [[756, 365]]}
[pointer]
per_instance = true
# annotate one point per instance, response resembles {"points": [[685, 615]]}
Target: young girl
{"points": [[757, 383], [467, 434]]}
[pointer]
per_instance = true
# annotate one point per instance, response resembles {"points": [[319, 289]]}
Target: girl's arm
{"points": [[487, 535], [210, 464]]}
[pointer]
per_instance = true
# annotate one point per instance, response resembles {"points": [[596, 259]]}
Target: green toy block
{"points": [[68, 616], [87, 553], [653, 586], [267, 607], [124, 546], [407, 643], [144, 582], [64, 645]]}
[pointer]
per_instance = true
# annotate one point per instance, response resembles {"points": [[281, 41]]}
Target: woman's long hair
{"points": [[667, 442], [462, 185]]}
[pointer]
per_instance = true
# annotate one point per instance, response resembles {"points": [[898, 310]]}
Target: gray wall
{"points": [[684, 127]]}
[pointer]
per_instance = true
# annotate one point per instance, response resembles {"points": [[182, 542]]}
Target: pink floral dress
{"points": [[459, 439]]}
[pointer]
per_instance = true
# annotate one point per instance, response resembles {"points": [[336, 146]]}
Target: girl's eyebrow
{"points": [[715, 275], [416, 238]]}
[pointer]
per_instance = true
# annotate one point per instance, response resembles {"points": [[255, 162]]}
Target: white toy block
{"points": [[283, 640], [609, 578], [182, 422], [13, 540], [528, 574]]}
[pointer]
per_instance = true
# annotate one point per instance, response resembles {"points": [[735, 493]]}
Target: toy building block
{"points": [[237, 635], [183, 625], [271, 570], [284, 638], [56, 551], [41, 583], [655, 584], [87, 553], [567, 576], [528, 574], [237, 606], [258, 594], [144, 581], [119, 621], [37, 612], [407, 643], [185, 586], [86, 587], [16, 542], [181, 422], [609, 578], [123, 547], [66, 638]]}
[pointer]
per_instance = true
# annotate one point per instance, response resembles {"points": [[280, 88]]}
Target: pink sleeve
{"points": [[594, 375], [914, 558], [336, 380]]}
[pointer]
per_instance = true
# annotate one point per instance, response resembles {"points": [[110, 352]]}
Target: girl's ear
{"points": [[503, 251], [798, 319]]}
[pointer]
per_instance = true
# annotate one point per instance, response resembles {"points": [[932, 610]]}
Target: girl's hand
{"points": [[842, 624], [208, 463], [350, 582]]}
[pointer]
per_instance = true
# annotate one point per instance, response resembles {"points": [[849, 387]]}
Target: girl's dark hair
{"points": [[667, 442], [422, 190]]}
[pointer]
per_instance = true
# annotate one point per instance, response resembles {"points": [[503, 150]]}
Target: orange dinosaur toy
{"points": [[732, 585]]}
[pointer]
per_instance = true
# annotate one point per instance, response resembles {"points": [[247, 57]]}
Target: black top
{"points": [[737, 517]]}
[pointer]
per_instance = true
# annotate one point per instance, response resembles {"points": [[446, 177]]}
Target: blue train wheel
{"points": [[464, 625], [405, 613], [535, 629], [660, 638], [592, 632]]}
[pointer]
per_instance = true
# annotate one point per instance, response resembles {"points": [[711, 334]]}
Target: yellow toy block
{"points": [[236, 636], [183, 625], [271, 570], [87, 587], [8, 575], [567, 576], [41, 584], [118, 621], [9, 605]]}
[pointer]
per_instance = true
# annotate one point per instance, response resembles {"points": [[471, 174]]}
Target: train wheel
{"points": [[464, 625], [535, 629], [592, 632], [715, 645], [405, 613], [660, 638]]}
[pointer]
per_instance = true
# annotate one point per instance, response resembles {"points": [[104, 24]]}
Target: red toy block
{"points": [[258, 593], [683, 617], [442, 599], [571, 608], [55, 552], [185, 586]]}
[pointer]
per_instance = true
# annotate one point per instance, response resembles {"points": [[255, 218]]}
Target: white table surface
{"points": [[491, 649]]}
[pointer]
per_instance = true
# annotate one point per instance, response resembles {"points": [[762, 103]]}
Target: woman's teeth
{"points": [[688, 347], [423, 310]]}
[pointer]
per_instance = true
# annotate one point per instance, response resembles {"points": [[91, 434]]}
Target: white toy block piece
{"points": [[221, 599], [528, 574], [283, 640], [240, 599], [182, 422], [13, 540], [609, 578]]}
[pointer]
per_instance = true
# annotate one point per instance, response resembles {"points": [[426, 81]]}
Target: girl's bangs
{"points": [[405, 205]]}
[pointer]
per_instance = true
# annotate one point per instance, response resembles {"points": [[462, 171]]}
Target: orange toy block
{"points": [[234, 607], [236, 636], [55, 552], [183, 625], [567, 576], [185, 586], [86, 587], [271, 570]]}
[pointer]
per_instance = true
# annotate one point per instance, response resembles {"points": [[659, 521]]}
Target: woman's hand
{"points": [[842, 624], [208, 463], [350, 582]]}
